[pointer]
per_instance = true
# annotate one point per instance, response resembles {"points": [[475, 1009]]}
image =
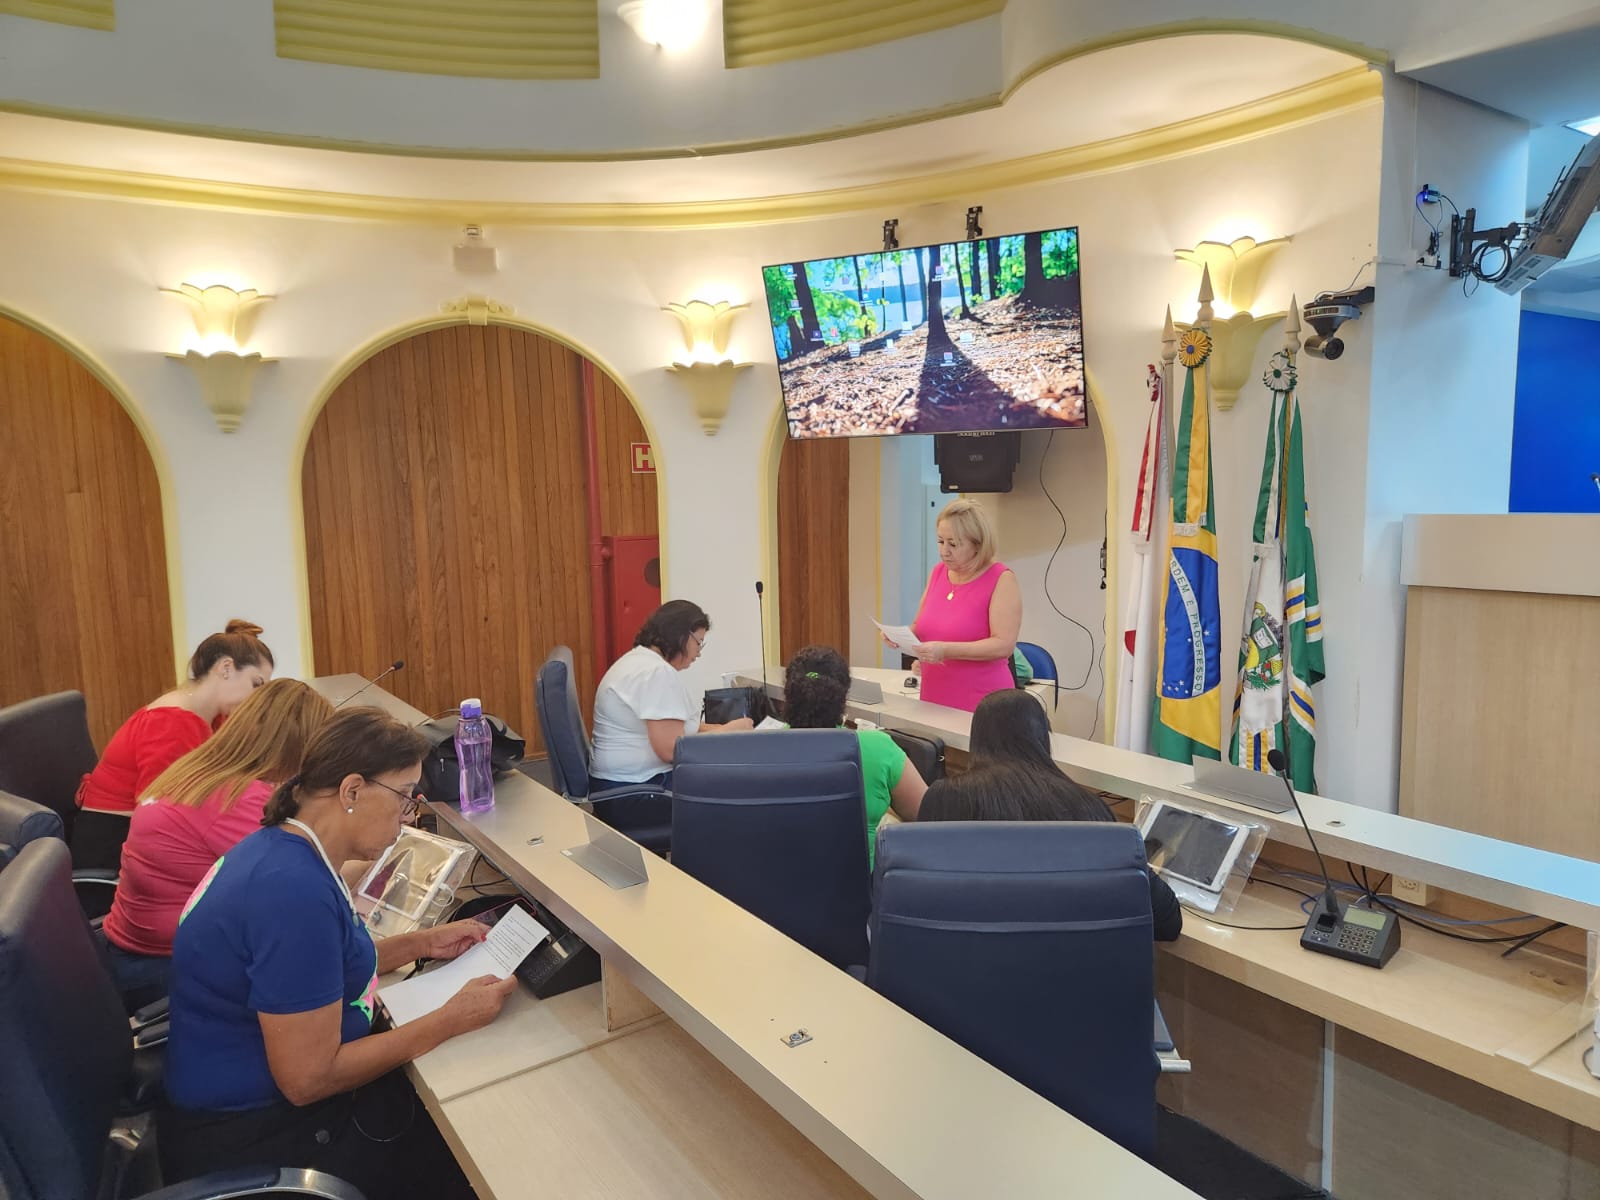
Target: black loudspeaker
{"points": [[976, 462]]}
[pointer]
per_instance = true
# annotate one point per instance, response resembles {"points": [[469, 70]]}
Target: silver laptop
{"points": [[1242, 786], [865, 691]]}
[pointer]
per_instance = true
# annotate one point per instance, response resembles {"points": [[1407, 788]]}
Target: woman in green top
{"points": [[814, 690]]}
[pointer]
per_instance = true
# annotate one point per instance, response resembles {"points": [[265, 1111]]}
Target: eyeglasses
{"points": [[410, 802], [698, 640]]}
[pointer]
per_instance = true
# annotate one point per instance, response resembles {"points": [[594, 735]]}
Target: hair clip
{"points": [[812, 675]]}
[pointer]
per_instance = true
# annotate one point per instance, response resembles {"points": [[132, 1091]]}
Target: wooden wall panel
{"points": [[627, 501], [84, 601], [1497, 727], [814, 545], [446, 522]]}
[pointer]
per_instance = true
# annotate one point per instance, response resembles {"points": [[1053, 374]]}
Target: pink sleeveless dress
{"points": [[960, 613]]}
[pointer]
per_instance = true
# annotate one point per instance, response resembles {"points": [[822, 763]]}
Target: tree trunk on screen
{"points": [[993, 246], [810, 328], [1033, 287], [938, 335], [905, 288], [922, 280], [961, 280]]}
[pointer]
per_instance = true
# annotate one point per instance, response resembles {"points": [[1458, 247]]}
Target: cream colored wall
{"points": [[1319, 183], [91, 268]]}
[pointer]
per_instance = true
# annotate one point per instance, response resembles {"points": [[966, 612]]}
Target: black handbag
{"points": [[441, 770], [926, 753], [730, 703]]}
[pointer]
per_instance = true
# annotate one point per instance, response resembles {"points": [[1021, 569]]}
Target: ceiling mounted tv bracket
{"points": [[974, 230], [890, 241]]}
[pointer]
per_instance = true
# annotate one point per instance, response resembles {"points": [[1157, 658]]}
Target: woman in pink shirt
{"points": [[970, 615], [200, 808]]}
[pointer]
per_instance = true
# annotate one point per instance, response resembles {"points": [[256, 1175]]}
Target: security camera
{"points": [[1329, 311]]}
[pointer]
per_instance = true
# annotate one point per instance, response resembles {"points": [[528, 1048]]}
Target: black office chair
{"points": [[23, 821], [642, 811], [775, 821], [68, 1071], [45, 751], [1029, 943]]}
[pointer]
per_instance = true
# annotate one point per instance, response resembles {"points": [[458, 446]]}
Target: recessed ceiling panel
{"points": [[494, 39], [91, 14], [759, 32]]}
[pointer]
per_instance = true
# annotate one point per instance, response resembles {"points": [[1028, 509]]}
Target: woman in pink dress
{"points": [[970, 615]]}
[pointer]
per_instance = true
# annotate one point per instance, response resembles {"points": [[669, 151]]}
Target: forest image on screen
{"points": [[954, 338]]}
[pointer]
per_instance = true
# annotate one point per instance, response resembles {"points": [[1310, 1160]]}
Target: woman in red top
{"points": [[200, 808], [970, 615], [225, 669]]}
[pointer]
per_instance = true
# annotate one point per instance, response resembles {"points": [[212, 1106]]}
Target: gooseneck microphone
{"points": [[761, 622], [1329, 906], [373, 682]]}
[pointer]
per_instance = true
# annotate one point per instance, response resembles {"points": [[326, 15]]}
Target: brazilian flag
{"points": [[1188, 707]]}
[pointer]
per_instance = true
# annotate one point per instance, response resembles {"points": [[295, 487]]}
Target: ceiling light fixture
{"points": [[1591, 126], [670, 25]]}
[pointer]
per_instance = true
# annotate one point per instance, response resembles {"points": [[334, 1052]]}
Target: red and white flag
{"points": [[1137, 656]]}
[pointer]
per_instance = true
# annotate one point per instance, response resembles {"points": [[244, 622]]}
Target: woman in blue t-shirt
{"points": [[272, 1059]]}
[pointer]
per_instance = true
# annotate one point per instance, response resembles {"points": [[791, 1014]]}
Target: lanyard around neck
{"points": [[326, 861]]}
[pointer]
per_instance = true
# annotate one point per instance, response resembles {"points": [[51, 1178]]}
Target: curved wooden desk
{"points": [[712, 1102]]}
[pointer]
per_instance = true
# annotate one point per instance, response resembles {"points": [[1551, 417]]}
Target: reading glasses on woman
{"points": [[411, 798]]}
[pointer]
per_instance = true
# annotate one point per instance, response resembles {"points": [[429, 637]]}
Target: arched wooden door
{"points": [[84, 605], [446, 523], [814, 545]]}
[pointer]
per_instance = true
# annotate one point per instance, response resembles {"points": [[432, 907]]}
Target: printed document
{"points": [[513, 938], [902, 636]]}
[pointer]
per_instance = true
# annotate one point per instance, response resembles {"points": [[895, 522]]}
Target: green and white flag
{"points": [[1280, 655]]}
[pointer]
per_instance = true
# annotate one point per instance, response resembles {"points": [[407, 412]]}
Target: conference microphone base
{"points": [[1368, 936]]}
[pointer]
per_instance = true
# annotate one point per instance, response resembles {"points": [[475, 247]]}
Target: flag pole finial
{"points": [[1291, 328], [1169, 340], [1206, 296]]}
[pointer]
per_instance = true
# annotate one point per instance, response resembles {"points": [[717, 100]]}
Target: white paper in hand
{"points": [[902, 636], [513, 938]]}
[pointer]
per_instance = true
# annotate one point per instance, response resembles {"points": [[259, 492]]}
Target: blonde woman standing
{"points": [[970, 615]]}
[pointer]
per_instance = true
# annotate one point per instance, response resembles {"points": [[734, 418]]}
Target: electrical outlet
{"points": [[1410, 890]]}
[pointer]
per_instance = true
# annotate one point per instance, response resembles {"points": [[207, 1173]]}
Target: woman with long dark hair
{"points": [[815, 685], [1015, 778]]}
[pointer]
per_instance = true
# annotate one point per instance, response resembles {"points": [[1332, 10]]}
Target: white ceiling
{"points": [[1103, 95]]}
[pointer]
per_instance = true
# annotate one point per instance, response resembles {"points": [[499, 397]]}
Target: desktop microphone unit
{"points": [[1365, 935], [374, 681]]}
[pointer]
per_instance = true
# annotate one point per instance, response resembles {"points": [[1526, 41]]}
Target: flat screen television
{"points": [[961, 337]]}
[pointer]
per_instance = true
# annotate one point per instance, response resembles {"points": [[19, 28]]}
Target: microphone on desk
{"points": [[1328, 906], [373, 682], [761, 623]]}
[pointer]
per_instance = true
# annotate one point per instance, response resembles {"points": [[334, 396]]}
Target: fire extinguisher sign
{"points": [[644, 459]]}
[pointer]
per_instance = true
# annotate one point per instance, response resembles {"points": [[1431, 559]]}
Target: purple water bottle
{"points": [[473, 740]]}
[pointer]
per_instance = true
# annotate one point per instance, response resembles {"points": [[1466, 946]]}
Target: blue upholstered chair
{"points": [[775, 821], [69, 1068], [644, 811], [1043, 665], [1030, 944]]}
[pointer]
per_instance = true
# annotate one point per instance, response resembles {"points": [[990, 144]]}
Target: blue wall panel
{"points": [[1555, 442]]}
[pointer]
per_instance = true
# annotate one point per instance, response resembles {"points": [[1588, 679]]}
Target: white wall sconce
{"points": [[670, 25], [224, 319], [709, 375], [1236, 268]]}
